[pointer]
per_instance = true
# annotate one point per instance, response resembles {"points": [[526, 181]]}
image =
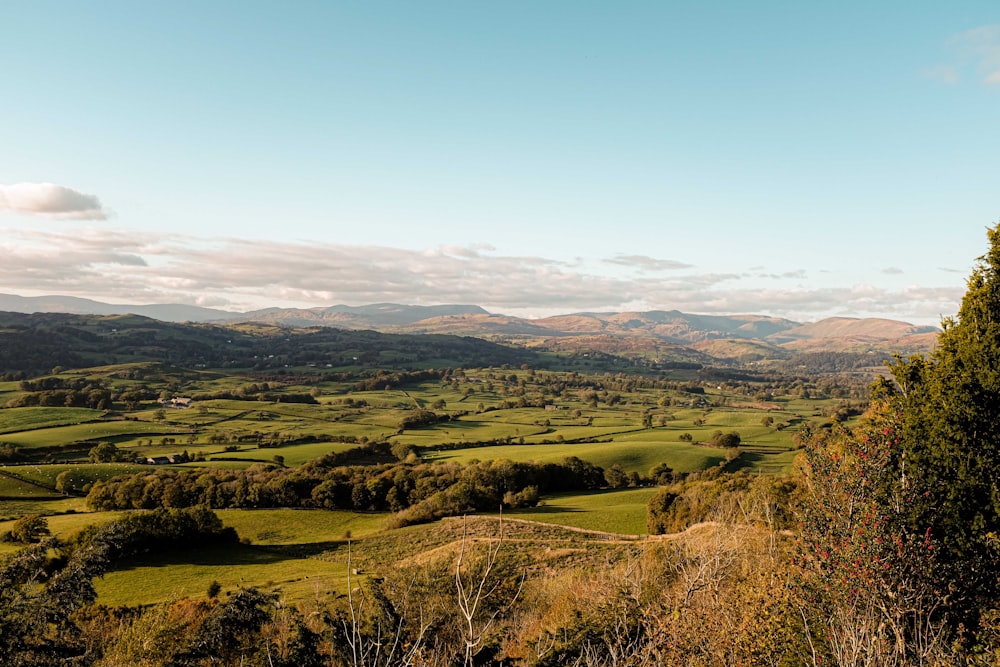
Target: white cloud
{"points": [[51, 200], [757, 272], [130, 266], [943, 74], [892, 271], [645, 263], [980, 49]]}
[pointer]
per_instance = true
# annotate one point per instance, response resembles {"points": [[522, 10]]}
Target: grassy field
{"points": [[14, 485], [11, 509], [636, 456], [295, 455], [92, 431], [302, 552], [80, 473], [482, 414], [13, 420], [173, 575], [622, 512], [295, 526]]}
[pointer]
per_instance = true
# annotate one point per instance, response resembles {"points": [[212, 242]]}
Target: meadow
{"points": [[478, 415]]}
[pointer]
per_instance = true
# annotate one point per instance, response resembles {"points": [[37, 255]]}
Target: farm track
{"points": [[558, 540], [604, 535]]}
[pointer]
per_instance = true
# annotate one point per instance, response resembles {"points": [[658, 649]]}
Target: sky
{"points": [[793, 159]]}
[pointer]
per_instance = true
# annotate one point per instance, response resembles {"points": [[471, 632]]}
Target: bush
{"points": [[720, 439], [527, 497], [28, 529]]}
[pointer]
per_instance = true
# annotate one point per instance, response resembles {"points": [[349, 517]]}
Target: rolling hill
{"points": [[670, 335]]}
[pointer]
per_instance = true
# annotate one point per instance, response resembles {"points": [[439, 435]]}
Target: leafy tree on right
{"points": [[901, 512], [950, 416]]}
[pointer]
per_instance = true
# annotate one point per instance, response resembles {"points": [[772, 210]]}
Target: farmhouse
{"points": [[177, 402]]}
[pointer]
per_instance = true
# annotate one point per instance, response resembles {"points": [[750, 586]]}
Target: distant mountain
{"points": [[670, 325], [170, 312], [374, 316], [729, 338], [847, 333], [842, 327], [486, 324], [38, 342]]}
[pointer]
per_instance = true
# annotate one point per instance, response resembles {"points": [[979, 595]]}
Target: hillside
{"points": [[849, 327], [379, 316], [669, 325], [668, 335], [41, 341], [850, 334]]}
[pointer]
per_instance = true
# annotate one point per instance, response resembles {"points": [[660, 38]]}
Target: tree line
{"points": [[417, 492]]}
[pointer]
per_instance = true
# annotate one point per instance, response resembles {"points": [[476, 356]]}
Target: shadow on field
{"points": [[236, 554], [549, 509], [753, 459]]}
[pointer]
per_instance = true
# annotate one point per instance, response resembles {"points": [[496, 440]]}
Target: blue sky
{"points": [[793, 159]]}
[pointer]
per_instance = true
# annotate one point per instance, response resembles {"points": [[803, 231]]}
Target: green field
{"points": [[482, 415], [302, 552], [13, 485], [635, 456], [80, 473], [93, 431], [173, 575], [11, 509], [13, 420], [622, 512], [295, 455], [296, 526]]}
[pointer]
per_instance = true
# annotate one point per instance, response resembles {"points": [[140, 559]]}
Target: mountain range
{"points": [[719, 336]]}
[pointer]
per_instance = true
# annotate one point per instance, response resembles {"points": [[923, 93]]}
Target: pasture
{"points": [[634, 456], [621, 511], [93, 431], [301, 552], [484, 414], [13, 420]]}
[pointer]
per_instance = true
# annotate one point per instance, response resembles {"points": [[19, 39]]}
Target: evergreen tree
{"points": [[951, 442]]}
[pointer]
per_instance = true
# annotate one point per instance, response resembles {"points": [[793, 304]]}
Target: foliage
{"points": [[951, 435], [720, 439], [869, 584], [420, 492], [28, 529], [715, 493], [162, 529], [107, 452]]}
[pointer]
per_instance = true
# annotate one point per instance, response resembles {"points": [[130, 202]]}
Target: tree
{"points": [[720, 439], [616, 477], [64, 482], [951, 435], [29, 528], [104, 452]]}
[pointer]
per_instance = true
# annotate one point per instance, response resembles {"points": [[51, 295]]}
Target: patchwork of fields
{"points": [[487, 414]]}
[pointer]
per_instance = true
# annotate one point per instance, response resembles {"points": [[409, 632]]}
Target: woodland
{"points": [[841, 516]]}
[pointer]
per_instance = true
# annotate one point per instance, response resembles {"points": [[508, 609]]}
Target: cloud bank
{"points": [[51, 201], [240, 274]]}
